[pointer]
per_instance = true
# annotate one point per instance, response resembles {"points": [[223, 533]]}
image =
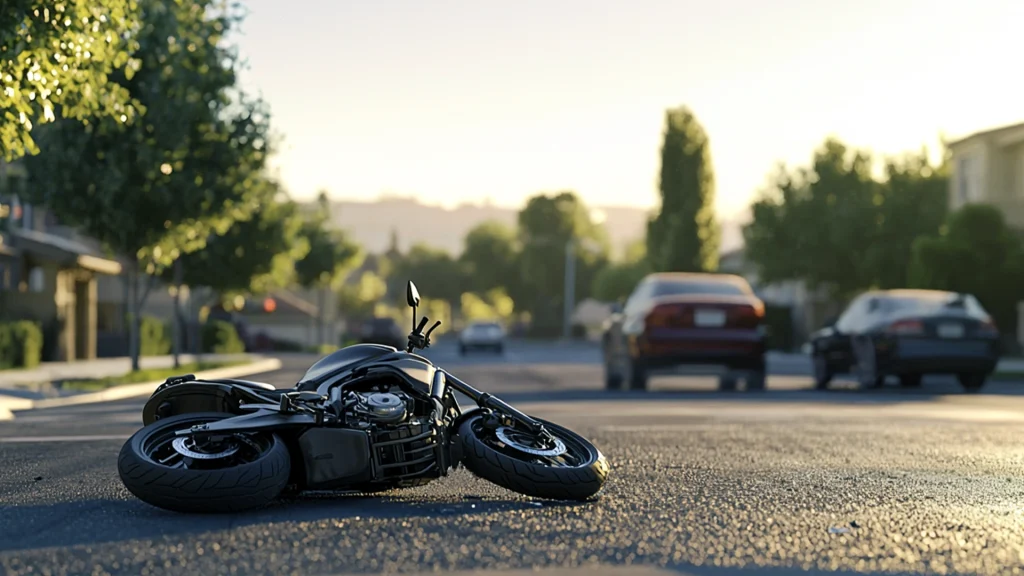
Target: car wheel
{"points": [[637, 374], [499, 349], [756, 381], [973, 382], [727, 383], [910, 380], [822, 375]]}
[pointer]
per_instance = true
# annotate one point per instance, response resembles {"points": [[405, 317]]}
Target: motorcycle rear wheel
{"points": [[577, 475], [242, 472]]}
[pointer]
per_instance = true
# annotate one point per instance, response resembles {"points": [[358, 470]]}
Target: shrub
{"points": [[220, 337], [21, 344], [154, 337]]}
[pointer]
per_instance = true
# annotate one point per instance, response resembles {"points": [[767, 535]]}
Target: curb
{"points": [[7, 406]]}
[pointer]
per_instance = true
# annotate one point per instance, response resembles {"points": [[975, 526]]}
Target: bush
{"points": [[220, 337], [154, 337], [21, 344]]}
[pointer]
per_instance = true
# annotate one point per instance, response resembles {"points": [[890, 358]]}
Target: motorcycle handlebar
{"points": [[423, 322]]}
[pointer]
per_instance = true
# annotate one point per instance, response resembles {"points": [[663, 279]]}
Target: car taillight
{"points": [[906, 327], [988, 328]]}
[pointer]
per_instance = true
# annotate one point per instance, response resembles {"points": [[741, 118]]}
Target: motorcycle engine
{"points": [[391, 407]]}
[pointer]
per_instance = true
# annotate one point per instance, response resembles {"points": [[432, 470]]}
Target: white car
{"points": [[482, 335]]}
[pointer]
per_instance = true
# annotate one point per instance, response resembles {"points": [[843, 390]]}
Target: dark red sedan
{"points": [[673, 320]]}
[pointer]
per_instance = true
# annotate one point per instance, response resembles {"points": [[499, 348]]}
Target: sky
{"points": [[468, 101]]}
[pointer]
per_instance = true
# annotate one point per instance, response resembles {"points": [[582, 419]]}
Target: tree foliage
{"points": [[546, 225], [256, 254], [617, 280], [491, 258], [834, 226], [976, 253], [64, 58], [685, 236], [331, 254], [159, 187], [437, 275]]}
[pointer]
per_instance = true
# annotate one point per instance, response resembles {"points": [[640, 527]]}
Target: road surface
{"points": [[709, 483]]}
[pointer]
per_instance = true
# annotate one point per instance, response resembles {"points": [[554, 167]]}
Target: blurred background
{"points": [[209, 177]]}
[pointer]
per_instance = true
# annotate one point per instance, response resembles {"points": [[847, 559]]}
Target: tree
{"points": [[684, 236], [437, 275], [617, 280], [491, 258], [359, 299], [547, 224], [332, 254], [159, 187], [816, 224], [975, 254], [912, 202], [63, 58]]}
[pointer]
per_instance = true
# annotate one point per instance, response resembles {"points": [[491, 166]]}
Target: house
{"points": [[47, 277], [988, 167]]}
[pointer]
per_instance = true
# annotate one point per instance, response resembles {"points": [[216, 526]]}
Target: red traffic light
{"points": [[269, 305]]}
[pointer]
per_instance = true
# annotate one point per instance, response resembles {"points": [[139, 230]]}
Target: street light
{"points": [[570, 280]]}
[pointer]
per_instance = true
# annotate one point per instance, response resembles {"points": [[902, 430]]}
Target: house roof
{"points": [[1000, 131], [64, 250]]}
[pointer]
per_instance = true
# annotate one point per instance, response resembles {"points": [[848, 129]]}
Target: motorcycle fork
{"points": [[443, 379]]}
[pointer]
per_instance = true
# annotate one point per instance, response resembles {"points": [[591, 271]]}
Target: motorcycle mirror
{"points": [[412, 295]]}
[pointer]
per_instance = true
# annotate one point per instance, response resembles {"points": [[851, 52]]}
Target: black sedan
{"points": [[907, 334]]}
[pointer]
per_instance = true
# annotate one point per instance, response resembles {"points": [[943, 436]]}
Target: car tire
{"points": [[910, 380], [499, 349], [637, 374], [612, 377], [972, 381], [757, 381], [822, 374], [727, 383]]}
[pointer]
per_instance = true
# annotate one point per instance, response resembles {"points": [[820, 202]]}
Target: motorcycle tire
{"points": [[523, 475], [244, 486]]}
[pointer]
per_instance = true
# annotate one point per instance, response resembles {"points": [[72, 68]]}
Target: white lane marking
{"points": [[39, 439]]}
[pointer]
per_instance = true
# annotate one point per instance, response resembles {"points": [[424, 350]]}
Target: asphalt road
{"points": [[787, 481]]}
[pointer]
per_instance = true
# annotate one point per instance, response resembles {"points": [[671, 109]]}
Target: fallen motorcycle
{"points": [[366, 418]]}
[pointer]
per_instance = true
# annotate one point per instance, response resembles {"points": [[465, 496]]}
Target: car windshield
{"points": [[697, 287]]}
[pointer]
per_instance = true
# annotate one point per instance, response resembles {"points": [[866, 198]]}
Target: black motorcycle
{"points": [[366, 418]]}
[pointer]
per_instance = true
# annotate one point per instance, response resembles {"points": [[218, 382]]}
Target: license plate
{"points": [[709, 318], [951, 331]]}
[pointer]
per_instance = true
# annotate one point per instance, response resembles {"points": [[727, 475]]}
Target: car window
{"points": [[698, 287], [852, 318], [935, 304]]}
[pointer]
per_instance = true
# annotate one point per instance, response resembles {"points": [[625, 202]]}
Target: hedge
{"points": [[21, 344], [220, 337]]}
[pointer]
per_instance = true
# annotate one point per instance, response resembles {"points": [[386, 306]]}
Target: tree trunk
{"points": [[134, 319], [176, 322]]}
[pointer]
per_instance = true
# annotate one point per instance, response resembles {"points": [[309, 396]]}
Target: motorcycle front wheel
{"points": [[569, 468], [230, 473]]}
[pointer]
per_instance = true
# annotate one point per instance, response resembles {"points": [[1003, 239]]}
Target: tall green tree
{"points": [[436, 273], [547, 224], [911, 202], [491, 258], [685, 236], [976, 253], [63, 59], [816, 224], [159, 187], [332, 254]]}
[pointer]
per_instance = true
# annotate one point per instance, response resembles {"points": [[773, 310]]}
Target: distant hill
{"points": [[371, 223]]}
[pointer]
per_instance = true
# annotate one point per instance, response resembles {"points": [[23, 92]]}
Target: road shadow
{"points": [[102, 521]]}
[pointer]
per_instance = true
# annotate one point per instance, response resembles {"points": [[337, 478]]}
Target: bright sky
{"points": [[460, 101]]}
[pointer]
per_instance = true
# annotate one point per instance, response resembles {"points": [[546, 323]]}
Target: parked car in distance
{"points": [[907, 334], [672, 320], [382, 331], [482, 336]]}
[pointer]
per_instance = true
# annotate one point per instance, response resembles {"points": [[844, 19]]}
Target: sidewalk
{"points": [[38, 379]]}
